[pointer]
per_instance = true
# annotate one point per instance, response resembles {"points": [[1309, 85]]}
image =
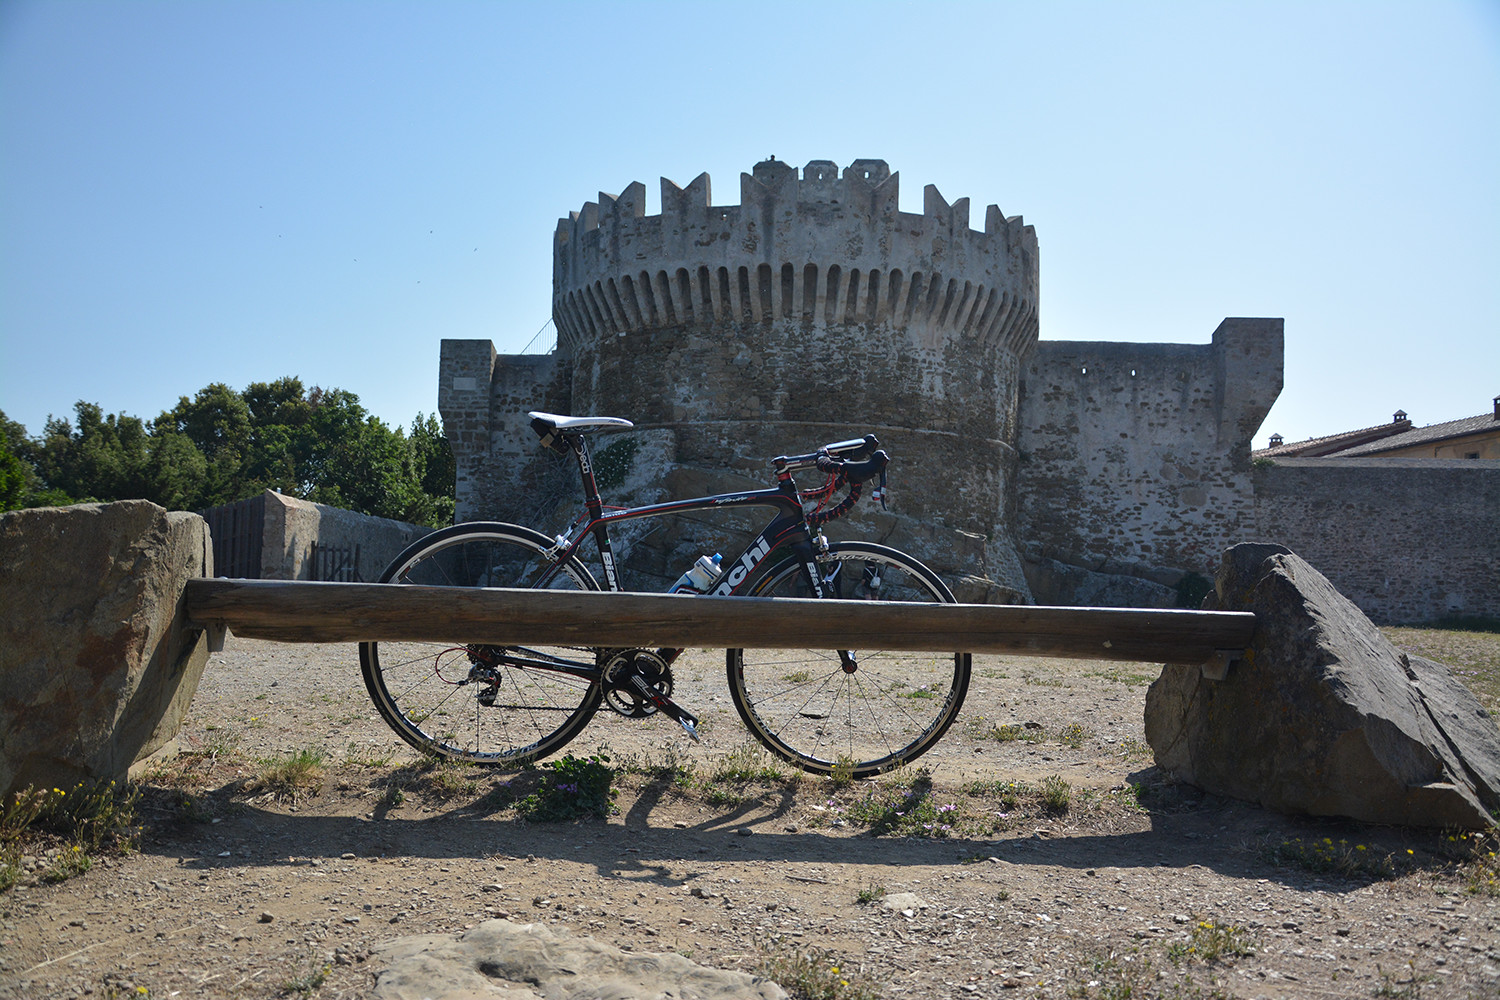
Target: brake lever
{"points": [[879, 493]]}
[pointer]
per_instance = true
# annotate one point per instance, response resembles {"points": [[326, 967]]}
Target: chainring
{"points": [[619, 667]]}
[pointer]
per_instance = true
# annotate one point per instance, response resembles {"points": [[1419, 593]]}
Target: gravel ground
{"points": [[1137, 888]]}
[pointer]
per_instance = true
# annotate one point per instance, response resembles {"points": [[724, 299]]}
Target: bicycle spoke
{"points": [[807, 709], [481, 703]]}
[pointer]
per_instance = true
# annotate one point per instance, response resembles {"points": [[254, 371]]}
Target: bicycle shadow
{"points": [[645, 845]]}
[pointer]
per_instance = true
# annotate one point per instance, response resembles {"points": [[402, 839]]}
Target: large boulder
{"points": [[96, 665], [499, 960], [1323, 715]]}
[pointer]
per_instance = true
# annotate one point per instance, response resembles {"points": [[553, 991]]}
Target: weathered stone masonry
{"points": [[1409, 540], [1061, 472], [1135, 460], [813, 310]]}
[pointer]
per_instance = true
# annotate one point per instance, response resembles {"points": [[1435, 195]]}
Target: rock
{"points": [[96, 669], [1323, 715], [1058, 583], [900, 901], [499, 960]]}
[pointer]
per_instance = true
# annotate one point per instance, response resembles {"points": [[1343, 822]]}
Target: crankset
{"points": [[638, 683]]}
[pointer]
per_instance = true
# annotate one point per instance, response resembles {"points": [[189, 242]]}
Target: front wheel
{"points": [[473, 701], [854, 712]]}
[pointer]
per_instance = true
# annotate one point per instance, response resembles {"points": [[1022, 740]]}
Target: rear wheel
{"points": [[472, 701], [858, 712]]}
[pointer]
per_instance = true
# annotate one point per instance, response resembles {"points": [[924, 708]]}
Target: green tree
{"points": [[220, 446]]}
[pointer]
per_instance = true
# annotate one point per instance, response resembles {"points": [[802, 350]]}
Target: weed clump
{"points": [[572, 788], [65, 829]]}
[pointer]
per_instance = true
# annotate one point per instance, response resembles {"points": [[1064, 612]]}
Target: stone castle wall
{"points": [[1408, 540], [1090, 473], [1135, 458], [814, 310]]}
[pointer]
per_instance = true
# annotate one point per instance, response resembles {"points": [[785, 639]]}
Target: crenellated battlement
{"points": [[817, 246]]}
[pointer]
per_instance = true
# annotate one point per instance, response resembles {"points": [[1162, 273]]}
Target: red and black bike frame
{"points": [[789, 527]]}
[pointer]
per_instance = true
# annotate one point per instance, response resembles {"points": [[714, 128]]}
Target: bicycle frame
{"points": [[789, 527]]}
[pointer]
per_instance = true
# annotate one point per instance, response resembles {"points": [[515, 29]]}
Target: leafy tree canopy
{"points": [[220, 446]]}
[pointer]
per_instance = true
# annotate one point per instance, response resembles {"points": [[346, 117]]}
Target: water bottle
{"points": [[699, 575]]}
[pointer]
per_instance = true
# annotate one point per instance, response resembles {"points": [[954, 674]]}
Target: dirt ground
{"points": [[1054, 862]]}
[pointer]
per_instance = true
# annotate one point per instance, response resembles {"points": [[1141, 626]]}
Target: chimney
{"points": [[1497, 407], [1400, 416], [1276, 439]]}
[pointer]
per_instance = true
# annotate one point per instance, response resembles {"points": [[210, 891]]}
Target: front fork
{"points": [[823, 574]]}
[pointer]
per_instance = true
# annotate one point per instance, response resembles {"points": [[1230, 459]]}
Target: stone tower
{"points": [[813, 310]]}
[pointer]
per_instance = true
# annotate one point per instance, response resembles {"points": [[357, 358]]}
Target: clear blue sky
{"points": [[194, 192]]}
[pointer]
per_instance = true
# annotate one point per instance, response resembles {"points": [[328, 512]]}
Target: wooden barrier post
{"points": [[292, 611]]}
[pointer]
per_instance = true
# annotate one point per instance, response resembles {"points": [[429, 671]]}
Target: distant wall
{"points": [[277, 537], [1408, 540], [1135, 458]]}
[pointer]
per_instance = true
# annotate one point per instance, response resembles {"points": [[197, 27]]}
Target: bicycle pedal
{"points": [[690, 724]]}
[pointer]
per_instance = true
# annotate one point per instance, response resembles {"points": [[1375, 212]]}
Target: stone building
{"points": [[811, 311], [1109, 474]]}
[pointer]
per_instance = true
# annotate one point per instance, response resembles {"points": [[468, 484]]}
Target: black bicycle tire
{"points": [[767, 733], [410, 730]]}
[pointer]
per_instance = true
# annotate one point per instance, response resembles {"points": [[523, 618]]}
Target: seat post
{"points": [[591, 497]]}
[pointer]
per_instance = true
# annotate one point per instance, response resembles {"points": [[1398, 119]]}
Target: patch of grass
{"points": [[812, 973], [308, 983], [1006, 794], [1057, 794], [90, 818], [447, 778], [750, 762], [1120, 675], [1393, 985], [869, 894], [371, 761], [1210, 941], [1047, 682], [842, 774], [296, 776], [1007, 732], [194, 808], [1116, 976], [1326, 855], [69, 862], [905, 806], [1073, 735], [572, 788], [1136, 973], [1472, 654], [1477, 854]]}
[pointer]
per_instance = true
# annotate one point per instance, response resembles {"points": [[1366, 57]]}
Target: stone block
{"points": [[498, 959], [1323, 715], [96, 666]]}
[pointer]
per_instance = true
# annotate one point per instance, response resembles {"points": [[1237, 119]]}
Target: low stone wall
{"points": [[1408, 540], [276, 537], [294, 527]]}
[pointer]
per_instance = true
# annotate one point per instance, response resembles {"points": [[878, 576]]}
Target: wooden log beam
{"points": [[291, 611]]}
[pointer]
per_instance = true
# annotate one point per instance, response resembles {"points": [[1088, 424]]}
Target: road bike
{"points": [[853, 712]]}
